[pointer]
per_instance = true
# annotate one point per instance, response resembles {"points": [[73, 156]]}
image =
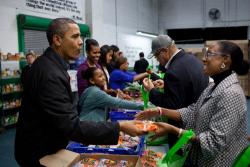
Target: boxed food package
{"points": [[129, 146], [131, 160], [66, 158]]}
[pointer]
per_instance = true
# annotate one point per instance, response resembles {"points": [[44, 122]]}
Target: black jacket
{"points": [[49, 118], [184, 82], [25, 72], [141, 66]]}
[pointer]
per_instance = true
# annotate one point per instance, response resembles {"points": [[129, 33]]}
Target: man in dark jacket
{"points": [[183, 81], [30, 57], [48, 118], [141, 65]]}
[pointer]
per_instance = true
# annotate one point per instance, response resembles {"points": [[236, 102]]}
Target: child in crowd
{"points": [[94, 101], [120, 76]]}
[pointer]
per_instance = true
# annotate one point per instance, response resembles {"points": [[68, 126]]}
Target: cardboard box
{"points": [[63, 158], [195, 51], [244, 83], [66, 158]]}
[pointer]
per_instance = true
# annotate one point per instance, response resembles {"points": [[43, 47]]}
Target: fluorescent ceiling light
{"points": [[146, 34]]}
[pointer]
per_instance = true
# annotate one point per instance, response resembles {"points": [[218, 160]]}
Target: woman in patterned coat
{"points": [[218, 118]]}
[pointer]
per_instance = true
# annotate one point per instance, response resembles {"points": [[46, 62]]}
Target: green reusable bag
{"points": [[243, 159], [172, 159], [145, 94], [158, 141], [145, 97]]}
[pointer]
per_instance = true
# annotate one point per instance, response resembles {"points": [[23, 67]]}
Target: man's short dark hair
{"points": [[58, 26], [141, 54]]}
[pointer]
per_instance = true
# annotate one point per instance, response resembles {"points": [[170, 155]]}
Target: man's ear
{"points": [[57, 40]]}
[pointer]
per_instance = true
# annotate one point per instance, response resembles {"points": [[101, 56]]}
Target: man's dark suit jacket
{"points": [[48, 119], [184, 82], [25, 72], [141, 66]]}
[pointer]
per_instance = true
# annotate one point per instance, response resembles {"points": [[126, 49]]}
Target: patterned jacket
{"points": [[219, 121]]}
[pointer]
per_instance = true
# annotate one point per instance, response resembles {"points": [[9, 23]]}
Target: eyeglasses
{"points": [[206, 53]]}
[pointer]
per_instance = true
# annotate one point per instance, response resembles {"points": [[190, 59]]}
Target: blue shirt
{"points": [[119, 78]]}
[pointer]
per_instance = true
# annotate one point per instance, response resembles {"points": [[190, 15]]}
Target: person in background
{"points": [[218, 118], [116, 54], [183, 81], [94, 101], [104, 61], [120, 53], [141, 65], [48, 119], [93, 55], [30, 57], [120, 76]]}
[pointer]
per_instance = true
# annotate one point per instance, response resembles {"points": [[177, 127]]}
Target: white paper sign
{"points": [[68, 8]]}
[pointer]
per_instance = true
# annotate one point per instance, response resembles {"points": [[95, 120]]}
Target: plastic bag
{"points": [[243, 159], [145, 97], [172, 159]]}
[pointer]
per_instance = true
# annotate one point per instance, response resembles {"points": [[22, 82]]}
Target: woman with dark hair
{"points": [[93, 54], [116, 51], [120, 76], [94, 101], [105, 59], [218, 118]]}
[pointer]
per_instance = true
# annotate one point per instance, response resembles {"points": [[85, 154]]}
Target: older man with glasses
{"points": [[183, 82]]}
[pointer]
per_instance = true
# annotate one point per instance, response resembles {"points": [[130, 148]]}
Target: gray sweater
{"points": [[93, 103]]}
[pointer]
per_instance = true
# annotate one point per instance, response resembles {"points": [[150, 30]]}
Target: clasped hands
{"points": [[132, 128], [149, 84], [162, 128]]}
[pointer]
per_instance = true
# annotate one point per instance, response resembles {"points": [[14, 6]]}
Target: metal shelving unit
{"points": [[10, 91]]}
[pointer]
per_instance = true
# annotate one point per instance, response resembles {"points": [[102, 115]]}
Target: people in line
{"points": [[218, 117], [30, 58], [183, 81], [93, 54], [94, 102], [120, 76], [48, 119], [141, 65]]}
